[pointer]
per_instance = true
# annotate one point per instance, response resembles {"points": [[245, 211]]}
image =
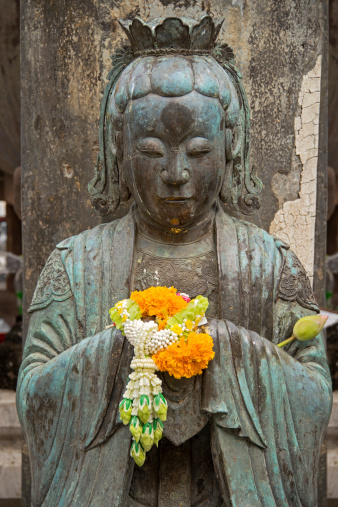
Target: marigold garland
{"points": [[159, 302], [163, 327], [186, 358]]}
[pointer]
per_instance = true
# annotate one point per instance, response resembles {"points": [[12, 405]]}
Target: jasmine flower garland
{"points": [[162, 326]]}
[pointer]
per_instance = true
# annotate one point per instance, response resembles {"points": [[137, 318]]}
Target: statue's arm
{"points": [[270, 410], [257, 387], [66, 381], [295, 300]]}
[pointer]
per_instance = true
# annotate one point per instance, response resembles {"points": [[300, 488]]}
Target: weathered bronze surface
{"points": [[175, 135]]}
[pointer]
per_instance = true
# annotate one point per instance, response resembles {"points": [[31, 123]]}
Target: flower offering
{"points": [[306, 328], [164, 328]]}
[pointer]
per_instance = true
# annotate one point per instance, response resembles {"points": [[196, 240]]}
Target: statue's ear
{"points": [[123, 187], [233, 144], [241, 188], [104, 188], [118, 149]]}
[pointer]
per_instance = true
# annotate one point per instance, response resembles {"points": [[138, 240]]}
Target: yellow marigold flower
{"points": [[188, 357], [177, 329], [189, 324], [159, 302], [124, 318]]}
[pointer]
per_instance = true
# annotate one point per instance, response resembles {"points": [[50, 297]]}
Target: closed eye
{"points": [[151, 147], [151, 153], [198, 147], [198, 153]]}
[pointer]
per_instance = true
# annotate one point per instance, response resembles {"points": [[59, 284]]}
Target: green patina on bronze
{"points": [[174, 134]]}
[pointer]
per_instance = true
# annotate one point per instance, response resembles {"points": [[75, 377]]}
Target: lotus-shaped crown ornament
{"points": [[172, 35]]}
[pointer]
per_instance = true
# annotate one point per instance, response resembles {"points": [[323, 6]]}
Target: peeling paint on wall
{"points": [[294, 223]]}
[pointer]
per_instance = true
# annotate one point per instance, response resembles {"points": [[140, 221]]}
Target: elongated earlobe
{"points": [[118, 146], [123, 188], [225, 194]]}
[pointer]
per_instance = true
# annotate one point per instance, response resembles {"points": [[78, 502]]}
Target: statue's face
{"points": [[174, 156]]}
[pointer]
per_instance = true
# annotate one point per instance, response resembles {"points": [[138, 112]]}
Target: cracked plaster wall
{"points": [[294, 223]]}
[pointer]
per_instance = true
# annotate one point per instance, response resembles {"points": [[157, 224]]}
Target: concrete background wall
{"points": [[9, 86]]}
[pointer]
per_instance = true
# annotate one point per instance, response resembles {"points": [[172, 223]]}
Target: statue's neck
{"points": [[178, 235]]}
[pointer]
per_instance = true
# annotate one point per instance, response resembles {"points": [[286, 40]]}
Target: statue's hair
{"points": [[176, 76]]}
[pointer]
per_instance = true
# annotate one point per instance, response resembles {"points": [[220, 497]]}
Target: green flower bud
{"points": [[147, 437], [126, 407], [161, 407], [132, 309], [137, 453], [309, 327], [158, 431], [135, 427], [144, 408]]}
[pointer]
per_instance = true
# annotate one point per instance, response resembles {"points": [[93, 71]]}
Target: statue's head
{"points": [[174, 126]]}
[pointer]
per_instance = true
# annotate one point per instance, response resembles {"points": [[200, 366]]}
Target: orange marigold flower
{"points": [[188, 357], [159, 302], [162, 323]]}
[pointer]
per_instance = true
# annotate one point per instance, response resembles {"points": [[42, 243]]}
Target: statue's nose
{"points": [[177, 171]]}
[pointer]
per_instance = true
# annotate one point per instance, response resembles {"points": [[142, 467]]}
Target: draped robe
{"points": [[268, 408]]}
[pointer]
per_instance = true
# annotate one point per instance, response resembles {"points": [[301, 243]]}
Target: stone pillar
{"points": [[281, 52]]}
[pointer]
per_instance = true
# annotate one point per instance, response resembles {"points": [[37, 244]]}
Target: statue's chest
{"points": [[191, 269]]}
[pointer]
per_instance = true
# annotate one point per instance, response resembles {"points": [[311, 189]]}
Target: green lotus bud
{"points": [[161, 407], [126, 407], [135, 427], [309, 327], [147, 437], [137, 453], [158, 431], [144, 408], [306, 328]]}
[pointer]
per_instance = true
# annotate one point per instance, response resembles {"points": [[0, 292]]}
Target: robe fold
{"points": [[268, 407]]}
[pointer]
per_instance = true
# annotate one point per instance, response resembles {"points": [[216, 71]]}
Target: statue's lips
{"points": [[176, 200]]}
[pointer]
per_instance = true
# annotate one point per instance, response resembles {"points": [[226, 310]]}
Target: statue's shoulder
{"points": [[293, 282], [54, 283], [93, 236], [262, 237]]}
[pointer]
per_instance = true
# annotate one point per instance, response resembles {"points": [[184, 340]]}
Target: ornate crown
{"points": [[172, 35]]}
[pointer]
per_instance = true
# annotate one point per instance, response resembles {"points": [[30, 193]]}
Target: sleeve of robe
{"points": [[68, 395], [271, 408]]}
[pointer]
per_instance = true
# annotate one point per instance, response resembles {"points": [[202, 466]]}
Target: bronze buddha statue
{"points": [[174, 135]]}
